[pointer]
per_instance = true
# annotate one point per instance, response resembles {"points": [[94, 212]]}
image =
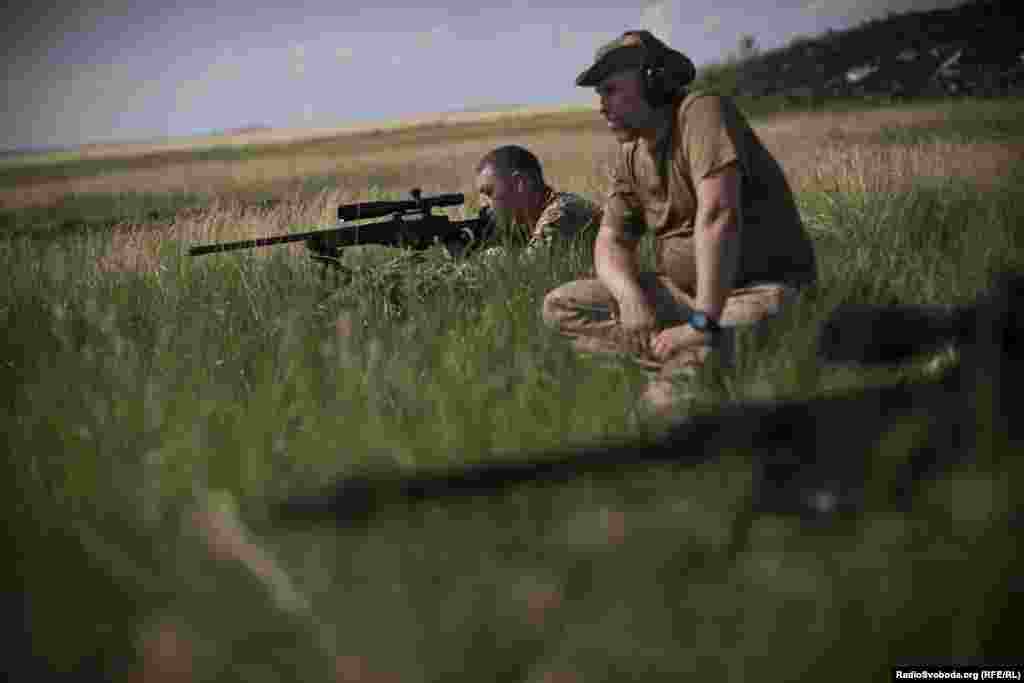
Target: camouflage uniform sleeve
{"points": [[564, 218], [711, 136]]}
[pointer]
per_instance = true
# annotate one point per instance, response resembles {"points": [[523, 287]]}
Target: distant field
{"points": [[154, 404], [572, 142], [276, 137]]}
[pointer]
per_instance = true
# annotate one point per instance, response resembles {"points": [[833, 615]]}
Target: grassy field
{"points": [[150, 396]]}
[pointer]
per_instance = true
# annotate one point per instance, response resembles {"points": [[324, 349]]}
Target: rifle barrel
{"points": [[249, 244]]}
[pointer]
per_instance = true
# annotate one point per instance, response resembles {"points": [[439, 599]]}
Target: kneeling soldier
{"points": [[730, 245]]}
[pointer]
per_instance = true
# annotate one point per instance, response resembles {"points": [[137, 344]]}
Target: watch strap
{"points": [[703, 322]]}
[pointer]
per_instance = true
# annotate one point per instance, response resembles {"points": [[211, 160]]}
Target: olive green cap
{"points": [[634, 49]]}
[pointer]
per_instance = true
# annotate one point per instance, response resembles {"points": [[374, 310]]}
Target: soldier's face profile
{"points": [[499, 190], [623, 105]]}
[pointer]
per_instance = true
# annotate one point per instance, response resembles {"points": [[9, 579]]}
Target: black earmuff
{"points": [[655, 90]]}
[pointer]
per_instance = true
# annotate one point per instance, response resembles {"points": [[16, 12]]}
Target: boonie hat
{"points": [[634, 49]]}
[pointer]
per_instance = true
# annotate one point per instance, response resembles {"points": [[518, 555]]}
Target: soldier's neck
{"points": [[538, 199], [660, 125]]}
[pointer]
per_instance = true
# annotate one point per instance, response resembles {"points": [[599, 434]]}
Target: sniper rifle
{"points": [[408, 224]]}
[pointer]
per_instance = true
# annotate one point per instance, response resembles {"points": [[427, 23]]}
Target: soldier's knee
{"points": [[757, 305]]}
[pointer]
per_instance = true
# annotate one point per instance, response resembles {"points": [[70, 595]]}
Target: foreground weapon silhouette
{"points": [[812, 457]]}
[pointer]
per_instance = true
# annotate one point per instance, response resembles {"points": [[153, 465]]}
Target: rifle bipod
{"points": [[342, 271], [333, 263]]}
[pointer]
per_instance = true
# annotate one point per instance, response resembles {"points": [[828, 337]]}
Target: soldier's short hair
{"points": [[513, 158]]}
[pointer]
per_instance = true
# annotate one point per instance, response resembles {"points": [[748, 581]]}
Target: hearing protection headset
{"points": [[656, 92]]}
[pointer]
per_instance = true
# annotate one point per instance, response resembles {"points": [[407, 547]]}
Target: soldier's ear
{"points": [[519, 181]]}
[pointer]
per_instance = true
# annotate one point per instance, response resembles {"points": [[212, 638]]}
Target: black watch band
{"points": [[700, 320]]}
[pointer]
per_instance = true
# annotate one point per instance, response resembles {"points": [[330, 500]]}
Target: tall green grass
{"points": [[76, 214], [132, 397]]}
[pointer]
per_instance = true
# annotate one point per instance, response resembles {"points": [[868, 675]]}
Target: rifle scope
{"points": [[351, 212]]}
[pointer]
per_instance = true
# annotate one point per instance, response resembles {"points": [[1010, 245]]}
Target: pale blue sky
{"points": [[117, 70]]}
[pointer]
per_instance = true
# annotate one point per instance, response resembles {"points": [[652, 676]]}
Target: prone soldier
{"points": [[511, 182]]}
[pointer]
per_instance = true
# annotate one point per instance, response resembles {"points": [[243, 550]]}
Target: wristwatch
{"points": [[700, 320]]}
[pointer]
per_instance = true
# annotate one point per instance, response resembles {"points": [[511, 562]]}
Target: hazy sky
{"points": [[132, 70]]}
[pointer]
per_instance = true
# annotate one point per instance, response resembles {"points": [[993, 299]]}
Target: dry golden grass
{"points": [[136, 246], [840, 151], [435, 157], [277, 137], [897, 168], [832, 151], [816, 125]]}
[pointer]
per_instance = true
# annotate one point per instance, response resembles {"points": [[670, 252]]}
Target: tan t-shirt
{"points": [[710, 133]]}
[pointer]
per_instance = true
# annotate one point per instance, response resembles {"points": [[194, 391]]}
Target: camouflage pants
{"points": [[587, 313]]}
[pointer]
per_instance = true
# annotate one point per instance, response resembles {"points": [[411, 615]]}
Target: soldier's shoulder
{"points": [[700, 98], [567, 214], [570, 201], [705, 106], [570, 197]]}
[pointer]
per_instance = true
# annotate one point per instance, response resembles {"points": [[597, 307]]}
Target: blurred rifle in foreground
{"points": [[818, 457], [408, 224]]}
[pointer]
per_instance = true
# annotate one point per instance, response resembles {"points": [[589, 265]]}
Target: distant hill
{"points": [[248, 128], [8, 152], [976, 48]]}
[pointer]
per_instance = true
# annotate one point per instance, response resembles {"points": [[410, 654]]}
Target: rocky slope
{"points": [[974, 49]]}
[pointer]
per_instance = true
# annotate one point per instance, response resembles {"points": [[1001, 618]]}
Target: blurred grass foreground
{"points": [[153, 402]]}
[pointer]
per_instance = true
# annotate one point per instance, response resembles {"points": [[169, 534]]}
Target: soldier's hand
{"points": [[671, 341], [638, 321]]}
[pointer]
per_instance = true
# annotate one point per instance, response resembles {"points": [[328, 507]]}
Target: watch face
{"points": [[700, 321]]}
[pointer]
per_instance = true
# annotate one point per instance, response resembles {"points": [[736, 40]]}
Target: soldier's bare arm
{"points": [[717, 248], [717, 228], [615, 259]]}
